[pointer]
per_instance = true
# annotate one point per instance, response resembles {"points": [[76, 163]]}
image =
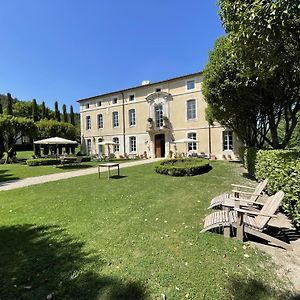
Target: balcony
{"points": [[152, 128]]}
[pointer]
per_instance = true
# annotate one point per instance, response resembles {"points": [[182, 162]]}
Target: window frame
{"points": [[130, 121], [187, 84], [159, 122], [116, 147], [98, 122], [193, 145], [189, 110], [227, 142], [99, 103], [115, 125], [132, 145], [115, 100], [130, 95], [88, 122], [89, 146]]}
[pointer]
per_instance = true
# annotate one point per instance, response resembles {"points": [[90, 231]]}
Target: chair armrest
{"points": [[243, 186], [246, 193], [246, 200], [256, 213]]}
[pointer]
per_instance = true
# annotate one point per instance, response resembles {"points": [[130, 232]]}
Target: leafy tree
{"points": [[72, 119], [9, 108], [35, 113], [51, 128], [65, 115], [56, 112], [13, 128], [265, 41], [44, 111], [22, 109]]}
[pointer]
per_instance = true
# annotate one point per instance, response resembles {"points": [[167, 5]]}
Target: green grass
{"points": [[135, 237]]}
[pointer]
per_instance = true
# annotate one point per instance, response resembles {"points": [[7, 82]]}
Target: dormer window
{"points": [[131, 97], [99, 103], [115, 100], [87, 106]]}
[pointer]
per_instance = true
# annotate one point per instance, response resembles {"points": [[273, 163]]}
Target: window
{"points": [[115, 117], [88, 122], [193, 136], [227, 140], [131, 97], [87, 105], [99, 103], [100, 121], [88, 146], [115, 101], [190, 84], [117, 146], [191, 109], [131, 113], [159, 116], [132, 144], [158, 90]]}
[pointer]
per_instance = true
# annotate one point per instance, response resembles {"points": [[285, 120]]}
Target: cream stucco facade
{"points": [[175, 109]]}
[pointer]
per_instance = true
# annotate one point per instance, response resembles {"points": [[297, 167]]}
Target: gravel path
{"points": [[15, 184]]}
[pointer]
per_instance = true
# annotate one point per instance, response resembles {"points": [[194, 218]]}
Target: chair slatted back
{"points": [[269, 208], [259, 189]]}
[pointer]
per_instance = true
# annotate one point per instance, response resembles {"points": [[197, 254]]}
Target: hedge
{"points": [[249, 160], [282, 168], [183, 167], [49, 161]]}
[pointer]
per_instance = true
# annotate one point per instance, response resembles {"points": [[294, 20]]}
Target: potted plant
{"points": [[150, 120], [166, 120]]}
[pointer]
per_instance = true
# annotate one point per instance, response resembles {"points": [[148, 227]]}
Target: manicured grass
{"points": [[135, 237]]}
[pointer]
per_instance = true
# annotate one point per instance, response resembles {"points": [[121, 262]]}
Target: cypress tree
{"points": [[72, 118], [65, 115], [56, 112], [35, 114], [1, 109], [43, 110], [9, 104]]}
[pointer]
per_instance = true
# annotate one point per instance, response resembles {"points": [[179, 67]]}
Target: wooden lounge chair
{"points": [[247, 221], [250, 196]]}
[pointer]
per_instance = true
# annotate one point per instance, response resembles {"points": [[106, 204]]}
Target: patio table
{"points": [[108, 166]]}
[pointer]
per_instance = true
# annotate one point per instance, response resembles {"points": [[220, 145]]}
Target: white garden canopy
{"points": [[55, 141]]}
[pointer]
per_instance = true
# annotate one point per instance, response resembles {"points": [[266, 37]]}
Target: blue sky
{"points": [[65, 50]]}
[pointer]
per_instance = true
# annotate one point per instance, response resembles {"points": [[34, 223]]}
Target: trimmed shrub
{"points": [[249, 160], [42, 162], [86, 158], [183, 167], [282, 168]]}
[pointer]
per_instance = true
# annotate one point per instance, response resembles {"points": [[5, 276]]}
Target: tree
{"points": [[22, 109], [1, 109], [51, 128], [44, 112], [56, 112], [65, 115], [13, 128], [35, 113], [72, 119], [9, 108]]}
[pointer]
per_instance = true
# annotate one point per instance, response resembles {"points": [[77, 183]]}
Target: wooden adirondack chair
{"points": [[227, 200], [247, 221]]}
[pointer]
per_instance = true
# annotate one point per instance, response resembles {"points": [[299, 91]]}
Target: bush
{"points": [[183, 167], [282, 168], [42, 162], [86, 158], [249, 160]]}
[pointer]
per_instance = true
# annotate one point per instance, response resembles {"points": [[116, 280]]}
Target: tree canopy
{"points": [[252, 80]]}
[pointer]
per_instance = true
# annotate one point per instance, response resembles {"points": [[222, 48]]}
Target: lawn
{"points": [[136, 237]]}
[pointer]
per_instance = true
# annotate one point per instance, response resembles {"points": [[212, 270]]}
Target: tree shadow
{"points": [[37, 262], [73, 167], [5, 176], [252, 289], [117, 176]]}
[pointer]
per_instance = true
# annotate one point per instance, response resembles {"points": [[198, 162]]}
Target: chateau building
{"points": [[151, 118]]}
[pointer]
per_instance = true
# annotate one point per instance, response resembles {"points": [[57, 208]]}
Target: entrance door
{"points": [[160, 145]]}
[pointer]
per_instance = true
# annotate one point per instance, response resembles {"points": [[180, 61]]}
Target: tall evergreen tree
{"points": [[1, 109], [35, 113], [56, 112], [72, 118], [9, 108], [43, 110], [65, 115]]}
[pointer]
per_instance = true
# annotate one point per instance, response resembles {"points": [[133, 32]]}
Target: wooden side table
{"points": [[108, 166]]}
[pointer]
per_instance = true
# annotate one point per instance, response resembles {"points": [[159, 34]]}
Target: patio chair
{"points": [[247, 221], [251, 196]]}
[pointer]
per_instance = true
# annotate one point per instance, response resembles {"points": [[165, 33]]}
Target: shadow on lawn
{"points": [[37, 262], [5, 176], [252, 289]]}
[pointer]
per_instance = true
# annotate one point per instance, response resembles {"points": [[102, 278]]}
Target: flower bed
{"points": [[183, 167]]}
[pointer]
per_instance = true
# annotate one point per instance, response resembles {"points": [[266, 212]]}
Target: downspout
{"points": [[209, 140], [123, 111]]}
